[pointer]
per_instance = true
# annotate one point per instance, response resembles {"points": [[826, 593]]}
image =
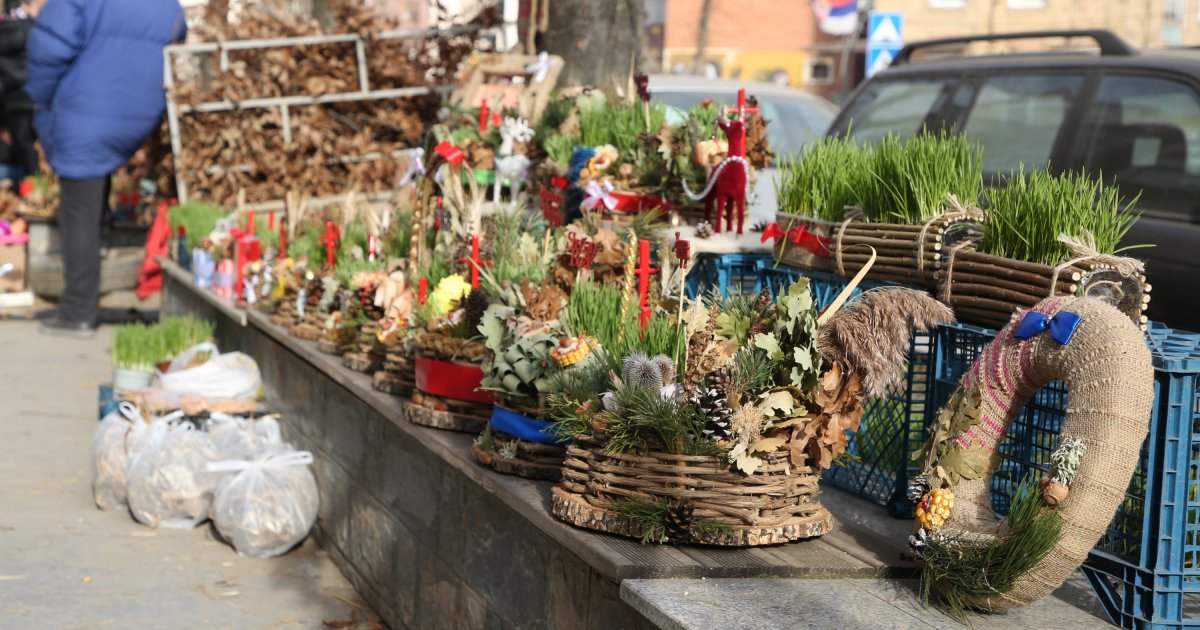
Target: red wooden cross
{"points": [[329, 239], [643, 272], [741, 110], [475, 262]]}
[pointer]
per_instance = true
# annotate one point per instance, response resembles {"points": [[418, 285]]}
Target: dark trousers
{"points": [[20, 126], [80, 213]]}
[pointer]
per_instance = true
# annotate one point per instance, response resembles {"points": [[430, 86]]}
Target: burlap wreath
{"points": [[1107, 370]]}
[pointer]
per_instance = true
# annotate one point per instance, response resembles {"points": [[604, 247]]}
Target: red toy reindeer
{"points": [[728, 183]]}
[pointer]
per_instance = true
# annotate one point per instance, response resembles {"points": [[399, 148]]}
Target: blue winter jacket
{"points": [[96, 79]]}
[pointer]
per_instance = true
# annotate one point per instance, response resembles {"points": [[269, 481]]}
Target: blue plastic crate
{"points": [[1146, 569], [880, 452], [725, 272]]}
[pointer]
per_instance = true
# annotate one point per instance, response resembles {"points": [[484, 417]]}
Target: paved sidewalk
{"points": [[65, 564]]}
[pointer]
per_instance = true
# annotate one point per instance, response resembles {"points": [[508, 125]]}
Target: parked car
{"points": [[794, 118], [1128, 115]]}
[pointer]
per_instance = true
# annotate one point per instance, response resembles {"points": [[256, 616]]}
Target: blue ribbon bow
{"points": [[1062, 326]]}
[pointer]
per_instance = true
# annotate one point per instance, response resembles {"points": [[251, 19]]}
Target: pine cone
{"points": [[473, 307], [721, 381], [719, 417], [704, 229], [678, 523]]}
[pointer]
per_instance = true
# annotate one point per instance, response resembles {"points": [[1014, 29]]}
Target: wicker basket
{"points": [[988, 290], [777, 504]]}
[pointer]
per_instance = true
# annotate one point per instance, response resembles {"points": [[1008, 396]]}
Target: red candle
{"points": [[250, 222], [283, 239], [483, 117], [496, 119], [422, 288], [271, 220]]}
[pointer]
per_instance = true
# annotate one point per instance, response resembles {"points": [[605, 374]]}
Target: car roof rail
{"points": [[1110, 43]]}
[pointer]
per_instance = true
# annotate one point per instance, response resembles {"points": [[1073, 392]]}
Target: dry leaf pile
{"points": [[244, 149]]}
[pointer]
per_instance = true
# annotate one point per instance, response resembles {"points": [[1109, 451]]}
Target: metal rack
{"points": [[286, 103]]}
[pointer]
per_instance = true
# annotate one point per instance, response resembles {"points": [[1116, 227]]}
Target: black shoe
{"points": [[58, 327]]}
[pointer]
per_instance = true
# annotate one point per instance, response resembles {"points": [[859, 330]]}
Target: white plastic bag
{"points": [[267, 505], [169, 482], [232, 375], [110, 455], [237, 437]]}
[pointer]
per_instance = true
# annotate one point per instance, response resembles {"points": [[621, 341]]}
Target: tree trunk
{"points": [[600, 41], [702, 38]]}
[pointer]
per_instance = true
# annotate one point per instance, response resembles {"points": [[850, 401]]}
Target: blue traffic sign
{"points": [[885, 38]]}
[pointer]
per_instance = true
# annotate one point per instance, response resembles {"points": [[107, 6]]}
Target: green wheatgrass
{"points": [[1026, 217]]}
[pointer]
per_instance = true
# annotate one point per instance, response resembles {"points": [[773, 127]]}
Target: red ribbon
{"points": [[799, 235], [450, 153], [456, 381]]}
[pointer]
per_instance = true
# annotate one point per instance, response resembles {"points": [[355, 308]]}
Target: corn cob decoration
{"points": [[934, 509]]}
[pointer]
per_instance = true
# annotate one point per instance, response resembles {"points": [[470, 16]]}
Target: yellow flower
{"points": [[449, 291]]}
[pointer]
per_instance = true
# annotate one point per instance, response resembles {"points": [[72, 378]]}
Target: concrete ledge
{"points": [[785, 604], [432, 539]]}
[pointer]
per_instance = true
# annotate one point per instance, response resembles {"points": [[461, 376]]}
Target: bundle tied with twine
{"points": [[987, 289], [907, 253]]}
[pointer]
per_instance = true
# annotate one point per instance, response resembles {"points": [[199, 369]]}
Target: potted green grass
{"points": [[909, 201], [1046, 235], [137, 351]]}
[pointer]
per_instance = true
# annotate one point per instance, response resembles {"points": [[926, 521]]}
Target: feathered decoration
{"points": [[871, 334]]}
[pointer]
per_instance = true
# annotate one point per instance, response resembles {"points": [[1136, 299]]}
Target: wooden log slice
{"points": [[329, 346], [448, 420], [574, 509], [390, 383], [543, 468], [360, 362], [307, 332]]}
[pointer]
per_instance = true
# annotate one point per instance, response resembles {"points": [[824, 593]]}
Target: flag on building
{"points": [[836, 17]]}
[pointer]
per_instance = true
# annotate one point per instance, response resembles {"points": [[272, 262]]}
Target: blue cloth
{"points": [[96, 79], [529, 429]]}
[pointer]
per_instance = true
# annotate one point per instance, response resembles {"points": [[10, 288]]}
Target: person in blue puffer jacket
{"points": [[95, 74]]}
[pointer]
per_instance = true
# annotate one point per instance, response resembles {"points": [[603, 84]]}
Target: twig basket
{"points": [[912, 254], [776, 504], [987, 290]]}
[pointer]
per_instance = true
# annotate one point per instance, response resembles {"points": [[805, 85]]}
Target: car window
{"points": [[791, 121], [1144, 134], [896, 106], [1017, 118]]}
